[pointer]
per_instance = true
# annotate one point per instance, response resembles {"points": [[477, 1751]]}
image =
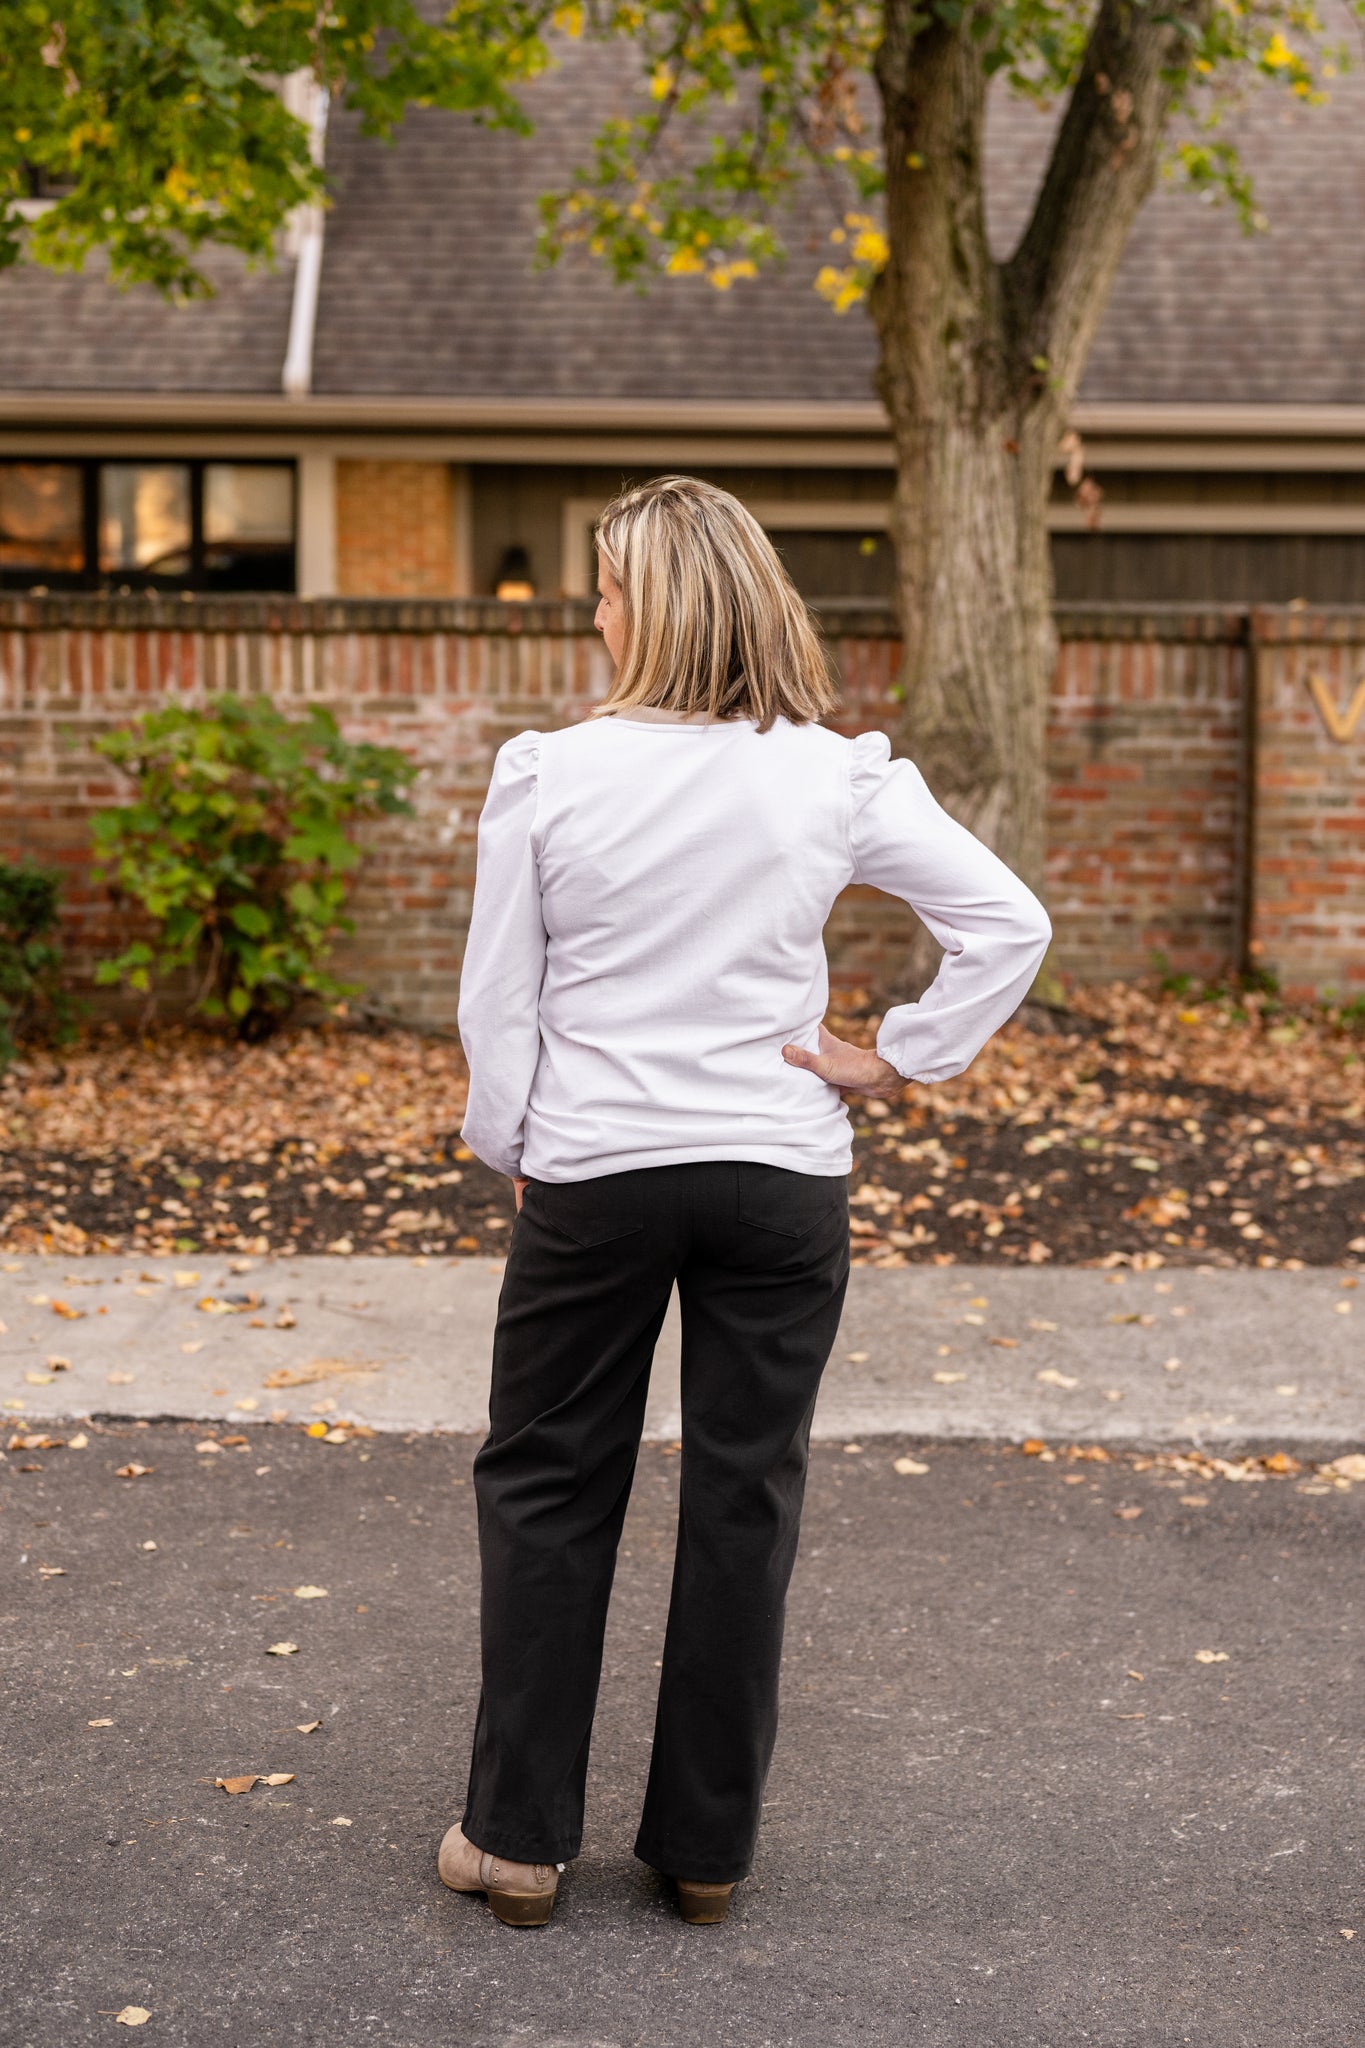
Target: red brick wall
{"points": [[1145, 748], [1148, 743], [395, 529], [1308, 805]]}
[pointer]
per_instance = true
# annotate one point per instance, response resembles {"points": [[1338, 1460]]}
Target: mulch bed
{"points": [[1134, 1127]]}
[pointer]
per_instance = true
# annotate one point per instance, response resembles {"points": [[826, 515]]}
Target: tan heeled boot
{"points": [[521, 1894], [702, 1905]]}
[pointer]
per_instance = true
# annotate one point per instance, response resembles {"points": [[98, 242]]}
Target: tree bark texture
{"points": [[978, 366]]}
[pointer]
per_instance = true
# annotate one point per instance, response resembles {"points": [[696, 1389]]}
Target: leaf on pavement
{"points": [[278, 1778], [909, 1467], [1050, 1377], [282, 1650], [1210, 1656], [235, 1785], [134, 1471], [132, 2016], [307, 1727], [310, 1592]]}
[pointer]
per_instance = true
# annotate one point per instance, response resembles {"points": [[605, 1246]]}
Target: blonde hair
{"points": [[712, 621]]}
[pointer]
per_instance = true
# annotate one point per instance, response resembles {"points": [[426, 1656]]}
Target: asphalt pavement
{"points": [[1071, 1753]]}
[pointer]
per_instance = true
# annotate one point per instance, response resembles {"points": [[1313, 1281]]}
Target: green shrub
{"points": [[236, 845], [32, 1002]]}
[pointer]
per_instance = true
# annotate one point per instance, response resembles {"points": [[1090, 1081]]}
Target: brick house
{"points": [[404, 408], [316, 483]]}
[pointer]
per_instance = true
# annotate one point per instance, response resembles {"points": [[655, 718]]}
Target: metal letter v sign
{"points": [[1340, 724]]}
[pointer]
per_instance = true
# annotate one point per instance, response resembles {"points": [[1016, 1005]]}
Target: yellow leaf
{"points": [[909, 1467], [307, 1727], [1210, 1656], [282, 1650], [132, 2016], [310, 1592], [279, 1778], [99, 1724]]}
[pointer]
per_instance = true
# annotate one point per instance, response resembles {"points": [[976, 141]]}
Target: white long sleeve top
{"points": [[646, 936]]}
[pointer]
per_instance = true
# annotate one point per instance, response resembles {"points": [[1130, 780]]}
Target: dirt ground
{"points": [[1135, 1126]]}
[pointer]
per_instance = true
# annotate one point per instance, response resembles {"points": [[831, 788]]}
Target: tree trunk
{"points": [[978, 364]]}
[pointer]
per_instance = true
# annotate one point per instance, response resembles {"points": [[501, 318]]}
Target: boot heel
{"points": [[522, 1909], [703, 1905]]}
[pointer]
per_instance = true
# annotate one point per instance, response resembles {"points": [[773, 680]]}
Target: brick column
{"points": [[1307, 922]]}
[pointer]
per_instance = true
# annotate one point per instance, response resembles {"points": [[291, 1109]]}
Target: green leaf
{"points": [[250, 918]]}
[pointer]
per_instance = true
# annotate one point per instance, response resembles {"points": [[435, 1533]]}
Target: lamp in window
{"points": [[513, 582]]}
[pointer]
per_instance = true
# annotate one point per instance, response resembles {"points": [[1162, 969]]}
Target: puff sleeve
{"points": [[993, 930], [504, 962]]}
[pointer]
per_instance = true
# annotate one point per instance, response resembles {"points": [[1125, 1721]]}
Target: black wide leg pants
{"points": [[760, 1255]]}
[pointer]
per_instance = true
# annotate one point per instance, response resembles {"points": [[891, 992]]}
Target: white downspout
{"points": [[297, 374]]}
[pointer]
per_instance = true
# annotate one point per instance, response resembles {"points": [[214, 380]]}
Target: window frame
{"points": [[92, 577]]}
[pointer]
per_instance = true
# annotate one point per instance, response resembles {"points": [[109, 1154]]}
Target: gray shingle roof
{"points": [[75, 332], [427, 289]]}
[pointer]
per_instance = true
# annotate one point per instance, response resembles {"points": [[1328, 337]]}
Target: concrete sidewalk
{"points": [[952, 1352]]}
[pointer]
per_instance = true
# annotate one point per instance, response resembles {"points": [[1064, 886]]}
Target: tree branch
{"points": [[1103, 165]]}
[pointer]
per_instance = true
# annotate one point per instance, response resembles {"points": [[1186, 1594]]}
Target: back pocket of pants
{"points": [[775, 1198], [590, 1212]]}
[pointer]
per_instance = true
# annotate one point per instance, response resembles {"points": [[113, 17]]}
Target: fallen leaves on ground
{"points": [[317, 1369], [1136, 1126], [132, 2016], [245, 1784], [282, 1650], [135, 1471]]}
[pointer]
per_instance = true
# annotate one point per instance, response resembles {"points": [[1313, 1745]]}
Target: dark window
{"points": [[146, 528], [248, 526], [42, 522], [147, 525]]}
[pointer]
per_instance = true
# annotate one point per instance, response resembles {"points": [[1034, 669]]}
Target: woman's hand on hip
{"points": [[852, 1069], [519, 1187]]}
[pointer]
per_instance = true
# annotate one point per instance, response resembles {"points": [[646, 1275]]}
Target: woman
{"points": [[641, 1007]]}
